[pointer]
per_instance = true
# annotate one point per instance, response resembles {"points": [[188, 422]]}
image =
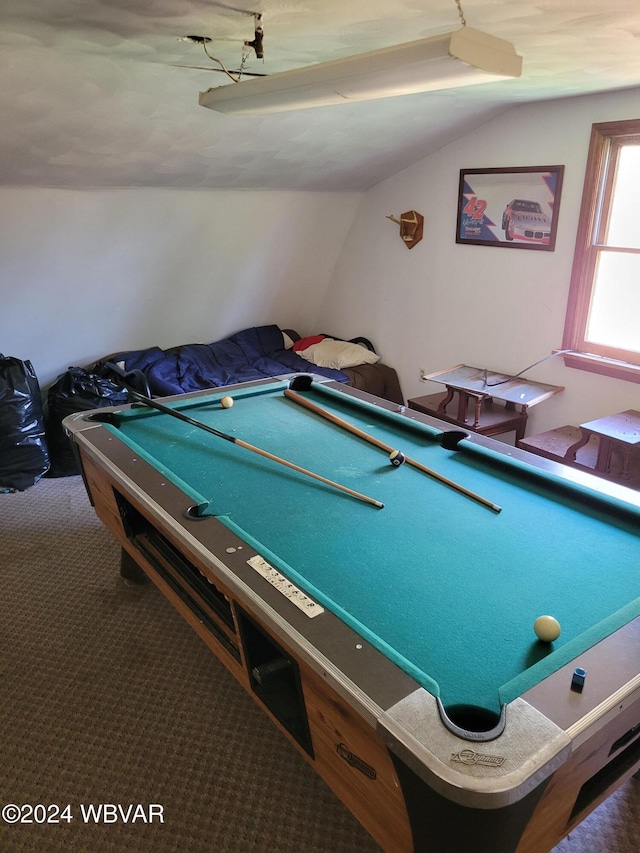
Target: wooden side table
{"points": [[476, 391], [474, 412], [616, 433]]}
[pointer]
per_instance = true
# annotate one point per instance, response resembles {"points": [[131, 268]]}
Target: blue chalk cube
{"points": [[577, 681]]}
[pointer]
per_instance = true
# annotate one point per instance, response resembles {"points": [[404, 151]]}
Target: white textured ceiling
{"points": [[91, 95]]}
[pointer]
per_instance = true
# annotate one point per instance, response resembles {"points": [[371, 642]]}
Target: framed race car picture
{"points": [[514, 208]]}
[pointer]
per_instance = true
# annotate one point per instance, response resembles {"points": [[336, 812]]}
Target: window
{"points": [[602, 326]]}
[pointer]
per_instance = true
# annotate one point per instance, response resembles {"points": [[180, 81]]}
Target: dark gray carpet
{"points": [[107, 696]]}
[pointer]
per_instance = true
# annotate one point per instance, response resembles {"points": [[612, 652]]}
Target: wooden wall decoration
{"points": [[411, 225]]}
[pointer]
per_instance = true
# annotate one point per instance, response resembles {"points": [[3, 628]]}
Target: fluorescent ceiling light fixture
{"points": [[463, 58]]}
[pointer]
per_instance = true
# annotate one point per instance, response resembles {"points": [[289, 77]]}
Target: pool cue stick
{"points": [[372, 440], [193, 422]]}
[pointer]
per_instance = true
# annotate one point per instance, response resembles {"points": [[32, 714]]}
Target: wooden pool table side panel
{"points": [[559, 809], [378, 803], [103, 500], [106, 509]]}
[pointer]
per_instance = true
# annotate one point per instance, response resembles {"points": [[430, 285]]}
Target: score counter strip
{"points": [[301, 600]]}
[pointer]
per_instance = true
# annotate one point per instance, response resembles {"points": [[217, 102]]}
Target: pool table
{"points": [[383, 615]]}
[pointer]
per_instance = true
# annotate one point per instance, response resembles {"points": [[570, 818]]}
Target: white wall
{"points": [[440, 303], [86, 273]]}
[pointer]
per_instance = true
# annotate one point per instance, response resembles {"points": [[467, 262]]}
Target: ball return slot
{"points": [[202, 597], [275, 679]]}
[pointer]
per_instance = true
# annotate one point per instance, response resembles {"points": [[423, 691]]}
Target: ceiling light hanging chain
{"points": [[461, 13]]}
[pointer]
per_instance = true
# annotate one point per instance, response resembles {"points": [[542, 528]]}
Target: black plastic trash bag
{"points": [[76, 390], [24, 455]]}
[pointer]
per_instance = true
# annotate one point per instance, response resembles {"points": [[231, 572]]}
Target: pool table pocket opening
{"points": [[472, 722]]}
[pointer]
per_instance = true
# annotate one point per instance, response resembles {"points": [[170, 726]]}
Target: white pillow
{"points": [[338, 354], [288, 343]]}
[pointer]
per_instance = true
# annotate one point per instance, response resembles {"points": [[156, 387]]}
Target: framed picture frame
{"points": [[514, 208]]}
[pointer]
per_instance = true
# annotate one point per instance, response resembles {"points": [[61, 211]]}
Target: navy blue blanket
{"points": [[255, 353]]}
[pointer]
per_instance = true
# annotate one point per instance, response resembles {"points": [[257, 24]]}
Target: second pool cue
{"points": [[303, 401], [153, 404]]}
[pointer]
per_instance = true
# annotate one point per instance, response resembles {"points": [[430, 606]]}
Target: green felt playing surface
{"points": [[445, 587]]}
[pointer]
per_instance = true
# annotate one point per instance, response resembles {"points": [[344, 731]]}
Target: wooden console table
{"points": [[476, 390]]}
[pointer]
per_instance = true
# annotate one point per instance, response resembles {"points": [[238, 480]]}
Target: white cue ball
{"points": [[547, 628], [226, 402]]}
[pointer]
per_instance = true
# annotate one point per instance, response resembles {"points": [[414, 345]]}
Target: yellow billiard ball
{"points": [[226, 402], [547, 628]]}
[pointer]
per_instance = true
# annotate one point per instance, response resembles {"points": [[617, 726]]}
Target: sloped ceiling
{"points": [[92, 93]]}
